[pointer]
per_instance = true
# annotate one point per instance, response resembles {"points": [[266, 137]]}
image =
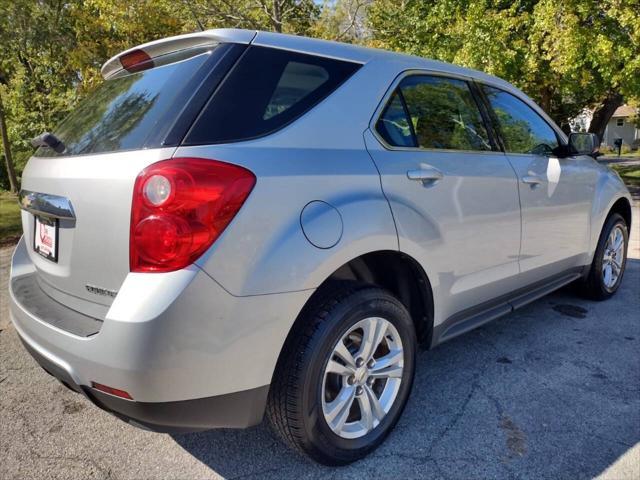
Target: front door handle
{"points": [[532, 180], [428, 176]]}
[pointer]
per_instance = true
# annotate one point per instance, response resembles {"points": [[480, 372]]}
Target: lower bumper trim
{"points": [[233, 410]]}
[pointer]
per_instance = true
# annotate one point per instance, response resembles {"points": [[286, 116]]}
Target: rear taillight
{"points": [[180, 207]]}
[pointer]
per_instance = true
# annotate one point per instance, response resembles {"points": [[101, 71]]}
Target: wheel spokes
{"points": [[343, 353], [371, 410], [373, 332], [615, 269], [618, 240], [613, 257], [339, 369], [608, 274], [337, 411], [353, 373], [617, 262], [388, 366]]}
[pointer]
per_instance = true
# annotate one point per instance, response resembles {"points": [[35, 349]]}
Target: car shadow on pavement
{"points": [[550, 391]]}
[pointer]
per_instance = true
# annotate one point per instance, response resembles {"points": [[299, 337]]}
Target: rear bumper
{"points": [[191, 355], [233, 410]]}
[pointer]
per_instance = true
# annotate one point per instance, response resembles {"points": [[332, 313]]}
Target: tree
{"points": [[8, 158], [343, 20], [567, 55], [288, 16], [51, 52], [37, 82]]}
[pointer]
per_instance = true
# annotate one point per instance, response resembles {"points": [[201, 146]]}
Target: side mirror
{"points": [[584, 144]]}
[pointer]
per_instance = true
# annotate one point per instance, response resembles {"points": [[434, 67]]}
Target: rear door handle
{"points": [[428, 176], [532, 180]]}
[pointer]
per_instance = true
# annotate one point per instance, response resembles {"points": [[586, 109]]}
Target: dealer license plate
{"points": [[45, 239]]}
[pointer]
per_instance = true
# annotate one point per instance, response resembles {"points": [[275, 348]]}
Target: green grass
{"points": [[10, 224], [629, 173], [613, 154]]}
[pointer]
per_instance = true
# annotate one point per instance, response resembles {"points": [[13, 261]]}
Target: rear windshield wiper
{"points": [[49, 140]]}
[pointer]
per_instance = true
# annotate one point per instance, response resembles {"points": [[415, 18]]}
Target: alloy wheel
{"points": [[613, 258], [362, 377]]}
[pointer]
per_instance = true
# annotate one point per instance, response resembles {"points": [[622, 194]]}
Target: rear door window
{"points": [[444, 113], [266, 90], [132, 111]]}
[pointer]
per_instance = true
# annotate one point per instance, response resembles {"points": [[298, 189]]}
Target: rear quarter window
{"points": [[266, 90]]}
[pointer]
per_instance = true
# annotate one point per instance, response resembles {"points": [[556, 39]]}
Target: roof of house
{"points": [[625, 111]]}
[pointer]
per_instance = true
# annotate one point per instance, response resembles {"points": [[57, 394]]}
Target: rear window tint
{"points": [[128, 112], [266, 90]]}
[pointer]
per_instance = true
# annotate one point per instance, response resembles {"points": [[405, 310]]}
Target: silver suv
{"points": [[238, 223]]}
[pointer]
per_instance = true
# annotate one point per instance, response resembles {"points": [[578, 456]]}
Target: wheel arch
{"points": [[621, 206], [611, 196], [398, 273], [392, 270]]}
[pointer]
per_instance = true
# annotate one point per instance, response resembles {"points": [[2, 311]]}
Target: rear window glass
{"points": [[126, 111], [266, 90]]}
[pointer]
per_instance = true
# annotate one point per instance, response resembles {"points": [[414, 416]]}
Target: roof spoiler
{"points": [[152, 51]]}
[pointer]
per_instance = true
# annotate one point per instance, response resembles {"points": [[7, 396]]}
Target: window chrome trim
{"points": [[387, 97], [53, 206]]}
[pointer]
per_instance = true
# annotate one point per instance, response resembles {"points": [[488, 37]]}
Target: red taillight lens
{"points": [[180, 207], [136, 61], [111, 391]]}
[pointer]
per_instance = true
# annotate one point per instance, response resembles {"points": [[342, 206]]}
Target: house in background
{"points": [[623, 125]]}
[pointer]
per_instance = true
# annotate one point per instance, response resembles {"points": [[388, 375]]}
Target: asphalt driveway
{"points": [[551, 391]]}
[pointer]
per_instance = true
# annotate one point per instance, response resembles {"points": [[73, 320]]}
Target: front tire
{"points": [[609, 260], [344, 375]]}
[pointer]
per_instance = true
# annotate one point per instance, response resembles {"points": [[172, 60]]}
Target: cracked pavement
{"points": [[550, 391]]}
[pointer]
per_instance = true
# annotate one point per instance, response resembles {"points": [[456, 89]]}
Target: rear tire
{"points": [[320, 401], [609, 260]]}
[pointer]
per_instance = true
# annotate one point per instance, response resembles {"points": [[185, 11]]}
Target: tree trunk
{"points": [[603, 114], [277, 16], [11, 172], [545, 100]]}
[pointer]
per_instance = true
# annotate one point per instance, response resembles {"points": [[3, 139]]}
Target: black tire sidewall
{"points": [[372, 302]]}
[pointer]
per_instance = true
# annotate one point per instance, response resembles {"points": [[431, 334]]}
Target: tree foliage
{"points": [[286, 16], [51, 52], [567, 55], [343, 20]]}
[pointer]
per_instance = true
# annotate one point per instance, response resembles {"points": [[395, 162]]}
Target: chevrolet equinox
{"points": [[239, 224]]}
